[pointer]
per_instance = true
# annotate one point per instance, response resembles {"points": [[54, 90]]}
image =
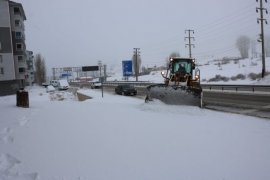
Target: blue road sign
{"points": [[127, 67], [65, 74]]}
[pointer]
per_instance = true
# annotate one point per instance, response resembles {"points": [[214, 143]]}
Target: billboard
{"points": [[67, 69], [127, 67], [65, 75], [90, 68]]}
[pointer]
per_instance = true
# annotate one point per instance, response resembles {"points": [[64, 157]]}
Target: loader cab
{"points": [[189, 75], [178, 64], [181, 71]]}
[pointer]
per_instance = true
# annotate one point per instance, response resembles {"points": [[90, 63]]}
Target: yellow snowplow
{"points": [[181, 84]]}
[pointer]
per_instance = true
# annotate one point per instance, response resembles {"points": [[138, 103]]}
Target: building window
{"points": [[20, 58], [1, 71], [17, 10], [1, 59], [19, 47], [18, 35], [17, 23], [21, 70], [0, 46]]}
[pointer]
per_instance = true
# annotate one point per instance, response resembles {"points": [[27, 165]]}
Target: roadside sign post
{"points": [[127, 68], [102, 89]]}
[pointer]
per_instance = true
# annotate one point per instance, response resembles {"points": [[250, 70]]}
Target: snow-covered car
{"points": [[54, 83], [63, 84], [45, 84], [50, 88], [95, 85]]}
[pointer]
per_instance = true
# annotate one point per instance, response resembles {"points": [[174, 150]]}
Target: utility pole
{"points": [[100, 67], [136, 69], [189, 40], [53, 70], [262, 20], [105, 72]]}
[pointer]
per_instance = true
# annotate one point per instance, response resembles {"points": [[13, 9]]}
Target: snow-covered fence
{"points": [[237, 88]]}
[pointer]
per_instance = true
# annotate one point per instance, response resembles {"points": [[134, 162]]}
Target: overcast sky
{"points": [[77, 33]]}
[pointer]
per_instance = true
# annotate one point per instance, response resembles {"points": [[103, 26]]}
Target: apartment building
{"points": [[13, 55]]}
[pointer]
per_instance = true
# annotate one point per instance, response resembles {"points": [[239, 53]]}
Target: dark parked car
{"points": [[125, 90]]}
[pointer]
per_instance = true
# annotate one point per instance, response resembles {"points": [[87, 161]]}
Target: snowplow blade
{"points": [[174, 95]]}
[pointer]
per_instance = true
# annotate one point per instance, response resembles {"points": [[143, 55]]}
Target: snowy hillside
{"points": [[243, 71]]}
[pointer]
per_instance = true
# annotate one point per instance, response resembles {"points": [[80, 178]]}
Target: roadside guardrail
{"points": [[236, 88], [134, 83]]}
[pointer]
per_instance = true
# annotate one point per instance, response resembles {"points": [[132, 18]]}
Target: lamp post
{"points": [[100, 78]]}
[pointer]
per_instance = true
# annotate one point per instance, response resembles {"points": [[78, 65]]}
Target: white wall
{"points": [[9, 73], [4, 14]]}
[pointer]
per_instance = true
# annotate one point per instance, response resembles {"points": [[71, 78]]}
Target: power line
{"points": [[232, 16], [189, 40], [216, 31]]}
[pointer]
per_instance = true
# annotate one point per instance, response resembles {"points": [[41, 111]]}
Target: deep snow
{"points": [[118, 137]]}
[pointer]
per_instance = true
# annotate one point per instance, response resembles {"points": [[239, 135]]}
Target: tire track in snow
{"points": [[23, 121], [7, 163], [5, 135]]}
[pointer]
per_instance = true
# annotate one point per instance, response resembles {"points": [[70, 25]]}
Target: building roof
{"points": [[11, 3]]}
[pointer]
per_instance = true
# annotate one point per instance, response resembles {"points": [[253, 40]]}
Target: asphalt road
{"points": [[248, 103], [141, 91]]}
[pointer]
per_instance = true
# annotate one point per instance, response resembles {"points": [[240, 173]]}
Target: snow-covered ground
{"points": [[116, 137], [122, 138], [233, 68]]}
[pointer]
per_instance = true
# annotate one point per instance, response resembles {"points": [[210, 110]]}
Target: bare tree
{"points": [[172, 55], [243, 45], [267, 46], [40, 69]]}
